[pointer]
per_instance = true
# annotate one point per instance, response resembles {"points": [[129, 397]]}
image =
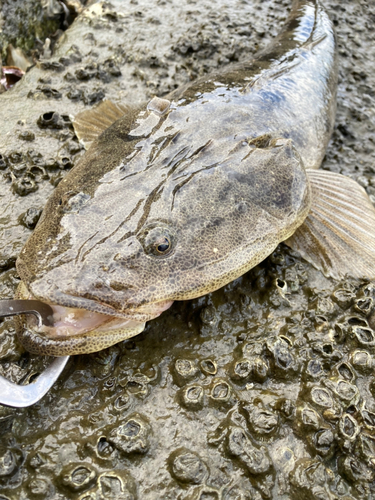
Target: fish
{"points": [[176, 198]]}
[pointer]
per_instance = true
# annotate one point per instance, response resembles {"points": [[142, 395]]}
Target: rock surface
{"points": [[261, 390]]}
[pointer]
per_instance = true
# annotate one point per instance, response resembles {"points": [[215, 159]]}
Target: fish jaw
{"points": [[81, 331]]}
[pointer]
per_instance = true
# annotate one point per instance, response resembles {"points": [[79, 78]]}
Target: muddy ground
{"points": [[261, 390]]}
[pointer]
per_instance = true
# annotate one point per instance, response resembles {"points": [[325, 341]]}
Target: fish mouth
{"points": [[80, 330]]}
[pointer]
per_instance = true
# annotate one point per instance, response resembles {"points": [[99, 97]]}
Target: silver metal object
{"points": [[42, 311], [20, 396]]}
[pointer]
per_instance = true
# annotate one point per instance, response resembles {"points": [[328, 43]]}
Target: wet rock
{"points": [[237, 493], [346, 392], [44, 92], [208, 315], [314, 369], [364, 305], [30, 218], [368, 419], [40, 488], [365, 448], [345, 371], [9, 462], [26, 23], [103, 448], [241, 370], [27, 135], [18, 169], [343, 297], [24, 186], [3, 162], [204, 493], [321, 397], [286, 407], [355, 471], [7, 262]]}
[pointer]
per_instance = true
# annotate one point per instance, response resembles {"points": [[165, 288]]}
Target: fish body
{"points": [[178, 198]]}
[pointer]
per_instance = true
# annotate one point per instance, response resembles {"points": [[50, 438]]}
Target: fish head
{"points": [[138, 224]]}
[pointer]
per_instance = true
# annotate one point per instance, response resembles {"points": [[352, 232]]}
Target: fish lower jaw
{"points": [[81, 331], [70, 322]]}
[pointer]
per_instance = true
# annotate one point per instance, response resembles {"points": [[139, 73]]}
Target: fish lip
{"points": [[71, 301], [81, 330]]}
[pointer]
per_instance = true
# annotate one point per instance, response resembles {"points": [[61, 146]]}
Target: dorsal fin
{"points": [[89, 124]]}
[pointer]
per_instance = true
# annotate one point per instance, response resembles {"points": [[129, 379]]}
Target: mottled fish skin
{"points": [[218, 174]]}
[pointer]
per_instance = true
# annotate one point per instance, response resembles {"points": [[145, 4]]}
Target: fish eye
{"points": [[157, 241], [163, 246]]}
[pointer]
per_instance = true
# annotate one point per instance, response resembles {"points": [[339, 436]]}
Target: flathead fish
{"points": [[177, 198]]}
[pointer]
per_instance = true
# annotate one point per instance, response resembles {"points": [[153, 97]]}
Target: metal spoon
{"points": [[20, 396]]}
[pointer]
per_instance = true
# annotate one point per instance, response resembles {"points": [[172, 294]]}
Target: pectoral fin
{"points": [[88, 125], [338, 235]]}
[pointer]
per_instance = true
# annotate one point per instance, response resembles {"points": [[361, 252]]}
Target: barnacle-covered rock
{"points": [[354, 470], [117, 485], [314, 370], [208, 366], [362, 360], [310, 480], [187, 467], [323, 442], [321, 397], [255, 459], [51, 120], [184, 370], [252, 369], [343, 297], [283, 359], [262, 422], [9, 461], [78, 477], [192, 397], [221, 393], [204, 492], [368, 419], [235, 492], [271, 336], [348, 431], [131, 436], [40, 487], [307, 419], [364, 336]]}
